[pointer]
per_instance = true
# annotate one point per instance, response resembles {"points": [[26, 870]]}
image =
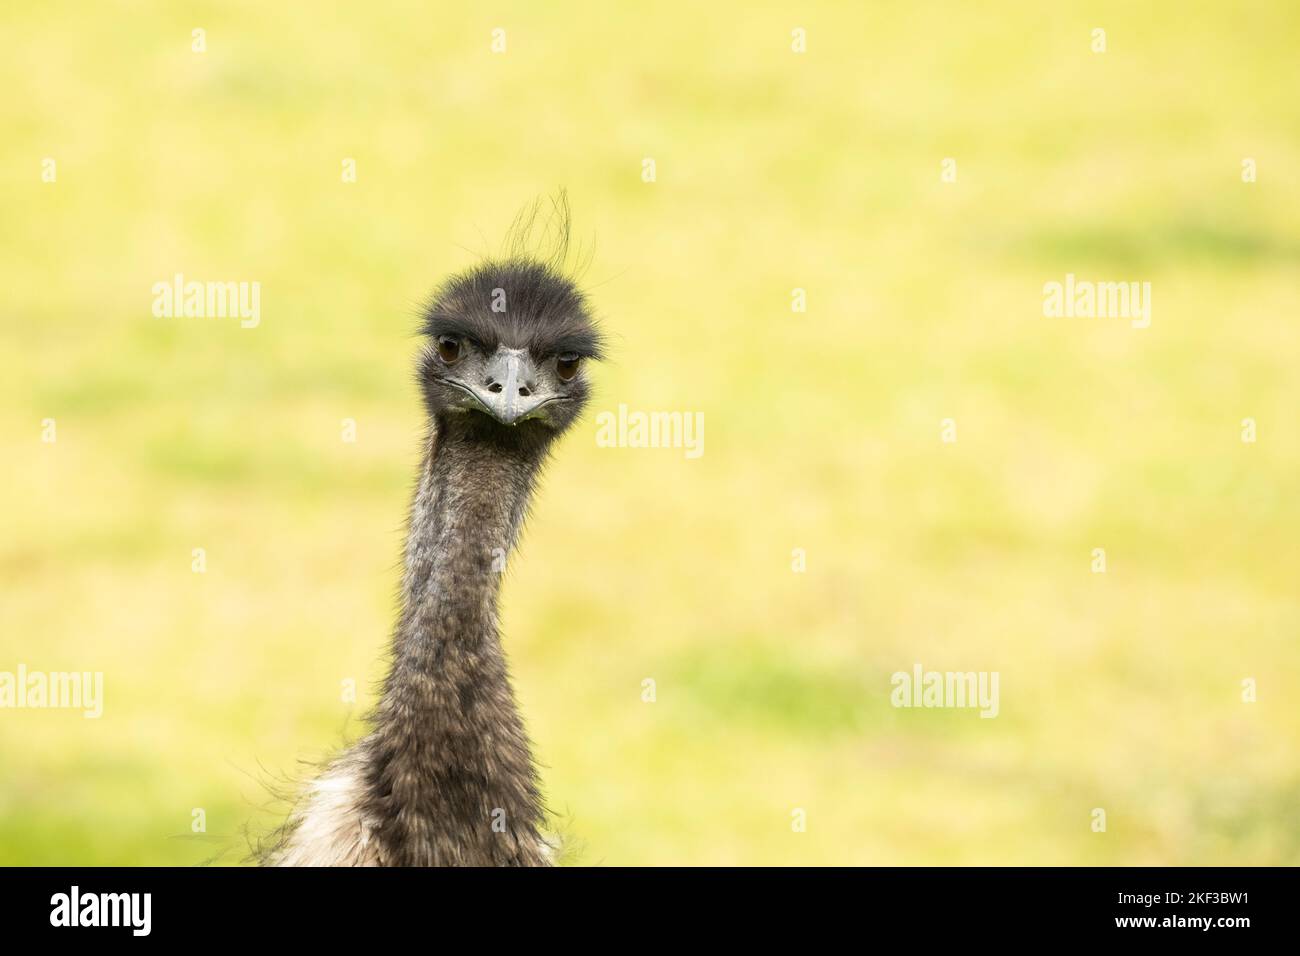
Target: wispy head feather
{"points": [[529, 298]]}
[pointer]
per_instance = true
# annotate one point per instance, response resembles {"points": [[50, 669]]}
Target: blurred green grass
{"points": [[775, 171]]}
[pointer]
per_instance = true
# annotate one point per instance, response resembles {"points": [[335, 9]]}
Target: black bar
{"points": [[220, 905]]}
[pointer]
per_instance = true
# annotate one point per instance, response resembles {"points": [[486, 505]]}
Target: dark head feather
{"points": [[518, 302]]}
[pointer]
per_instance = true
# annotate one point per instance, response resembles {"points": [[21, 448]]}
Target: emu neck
{"points": [[451, 775]]}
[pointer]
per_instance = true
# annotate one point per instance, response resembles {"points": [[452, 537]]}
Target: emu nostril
{"points": [[524, 390], [494, 387]]}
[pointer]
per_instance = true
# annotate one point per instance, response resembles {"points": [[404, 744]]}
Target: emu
{"points": [[445, 776]]}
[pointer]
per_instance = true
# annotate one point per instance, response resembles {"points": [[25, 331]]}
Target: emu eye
{"points": [[449, 349], [567, 366]]}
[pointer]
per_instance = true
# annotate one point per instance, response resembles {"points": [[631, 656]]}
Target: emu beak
{"points": [[510, 391]]}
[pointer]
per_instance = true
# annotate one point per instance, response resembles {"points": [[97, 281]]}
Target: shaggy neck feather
{"points": [[451, 777]]}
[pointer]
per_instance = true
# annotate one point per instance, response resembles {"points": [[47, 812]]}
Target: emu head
{"points": [[508, 345]]}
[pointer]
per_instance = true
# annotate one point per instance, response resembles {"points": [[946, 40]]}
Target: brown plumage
{"points": [[445, 776]]}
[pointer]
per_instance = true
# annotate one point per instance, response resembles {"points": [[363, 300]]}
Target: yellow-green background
{"points": [[775, 171]]}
